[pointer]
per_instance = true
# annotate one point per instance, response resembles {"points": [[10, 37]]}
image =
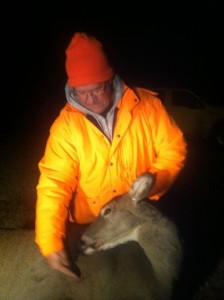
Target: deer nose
{"points": [[80, 245], [83, 245], [87, 245]]}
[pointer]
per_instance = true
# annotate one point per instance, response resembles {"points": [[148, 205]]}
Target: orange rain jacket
{"points": [[81, 170]]}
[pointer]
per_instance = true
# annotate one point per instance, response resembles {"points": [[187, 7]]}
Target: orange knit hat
{"points": [[86, 62]]}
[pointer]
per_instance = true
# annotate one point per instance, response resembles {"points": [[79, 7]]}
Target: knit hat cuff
{"points": [[90, 77]]}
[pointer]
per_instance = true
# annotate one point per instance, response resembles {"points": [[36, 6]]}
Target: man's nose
{"points": [[90, 97]]}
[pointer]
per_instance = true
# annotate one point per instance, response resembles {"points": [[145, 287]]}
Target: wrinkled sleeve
{"points": [[57, 182], [171, 150]]}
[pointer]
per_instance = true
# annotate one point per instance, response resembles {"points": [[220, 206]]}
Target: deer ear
{"points": [[141, 187]]}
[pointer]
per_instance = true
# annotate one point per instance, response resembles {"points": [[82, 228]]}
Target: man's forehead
{"points": [[88, 87]]}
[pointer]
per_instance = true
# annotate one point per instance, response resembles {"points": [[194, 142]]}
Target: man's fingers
{"points": [[60, 262], [68, 272]]}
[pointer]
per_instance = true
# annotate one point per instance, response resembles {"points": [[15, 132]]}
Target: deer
{"points": [[130, 252], [131, 217]]}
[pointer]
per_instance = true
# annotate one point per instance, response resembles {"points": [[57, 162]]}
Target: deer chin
{"points": [[96, 247], [89, 251], [89, 246], [118, 241]]}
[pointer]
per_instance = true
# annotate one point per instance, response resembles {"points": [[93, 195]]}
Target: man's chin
{"points": [[99, 110]]}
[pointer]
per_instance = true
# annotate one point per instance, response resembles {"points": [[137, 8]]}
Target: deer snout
{"points": [[88, 245]]}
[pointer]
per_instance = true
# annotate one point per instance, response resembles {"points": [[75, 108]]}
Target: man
{"points": [[106, 135]]}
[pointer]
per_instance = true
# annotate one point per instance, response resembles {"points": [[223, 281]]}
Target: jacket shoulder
{"points": [[65, 118], [143, 92], [148, 98]]}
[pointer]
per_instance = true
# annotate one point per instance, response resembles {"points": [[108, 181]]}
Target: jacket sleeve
{"points": [[170, 149], [57, 183]]}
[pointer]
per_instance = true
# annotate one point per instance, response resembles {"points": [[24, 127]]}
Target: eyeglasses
{"points": [[94, 92]]}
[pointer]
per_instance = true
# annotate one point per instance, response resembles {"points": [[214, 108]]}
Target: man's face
{"points": [[95, 97]]}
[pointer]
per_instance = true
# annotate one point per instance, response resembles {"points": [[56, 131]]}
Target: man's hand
{"points": [[59, 261]]}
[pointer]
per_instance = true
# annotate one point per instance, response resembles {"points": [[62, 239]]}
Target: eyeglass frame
{"points": [[96, 91]]}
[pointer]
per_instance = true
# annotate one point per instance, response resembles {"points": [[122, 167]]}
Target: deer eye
{"points": [[107, 211]]}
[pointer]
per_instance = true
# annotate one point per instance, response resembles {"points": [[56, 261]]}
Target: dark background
{"points": [[151, 45]]}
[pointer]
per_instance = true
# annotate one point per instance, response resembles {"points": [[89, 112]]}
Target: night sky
{"points": [[150, 45]]}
